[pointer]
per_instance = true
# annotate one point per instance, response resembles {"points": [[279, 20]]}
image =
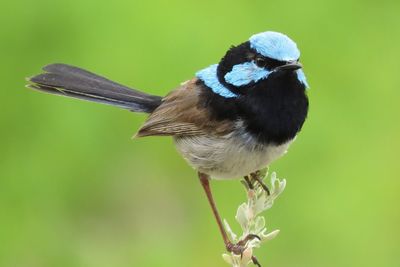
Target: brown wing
{"points": [[182, 113]]}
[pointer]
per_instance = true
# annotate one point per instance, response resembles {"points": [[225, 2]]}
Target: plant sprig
{"points": [[249, 218]]}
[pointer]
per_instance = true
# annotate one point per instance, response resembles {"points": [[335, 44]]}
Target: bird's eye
{"points": [[260, 62]]}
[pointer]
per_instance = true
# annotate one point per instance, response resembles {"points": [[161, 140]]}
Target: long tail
{"points": [[65, 80]]}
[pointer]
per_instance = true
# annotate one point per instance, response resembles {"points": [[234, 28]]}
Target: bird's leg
{"points": [[237, 248], [256, 176], [205, 182]]}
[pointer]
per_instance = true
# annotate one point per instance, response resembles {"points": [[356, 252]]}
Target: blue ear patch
{"points": [[210, 78], [245, 73], [275, 45], [302, 77]]}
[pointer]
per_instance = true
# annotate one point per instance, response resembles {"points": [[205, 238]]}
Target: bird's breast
{"points": [[233, 155]]}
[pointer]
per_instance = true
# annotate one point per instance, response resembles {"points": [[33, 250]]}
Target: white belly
{"points": [[229, 156]]}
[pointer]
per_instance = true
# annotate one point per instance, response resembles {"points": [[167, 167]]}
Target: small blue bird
{"points": [[231, 120]]}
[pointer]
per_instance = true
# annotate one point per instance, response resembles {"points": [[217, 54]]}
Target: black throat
{"points": [[273, 110]]}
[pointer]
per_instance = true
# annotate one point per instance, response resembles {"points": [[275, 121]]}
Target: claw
{"points": [[247, 183], [250, 237], [256, 177], [255, 261]]}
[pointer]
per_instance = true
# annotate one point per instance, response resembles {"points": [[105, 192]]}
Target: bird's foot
{"points": [[256, 177], [240, 246], [248, 183]]}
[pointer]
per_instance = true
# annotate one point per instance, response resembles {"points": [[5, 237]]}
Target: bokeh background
{"points": [[76, 191]]}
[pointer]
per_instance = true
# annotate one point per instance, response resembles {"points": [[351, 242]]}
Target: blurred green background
{"points": [[76, 191]]}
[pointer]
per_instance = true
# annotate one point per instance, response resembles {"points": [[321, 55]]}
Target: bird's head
{"points": [[265, 56]]}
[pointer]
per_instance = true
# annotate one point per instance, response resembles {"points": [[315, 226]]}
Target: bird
{"points": [[230, 120]]}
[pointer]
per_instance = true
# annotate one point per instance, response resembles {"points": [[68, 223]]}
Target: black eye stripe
{"points": [[269, 63]]}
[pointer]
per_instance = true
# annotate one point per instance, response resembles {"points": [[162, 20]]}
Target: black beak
{"points": [[292, 65]]}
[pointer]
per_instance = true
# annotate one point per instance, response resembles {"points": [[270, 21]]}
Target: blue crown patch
{"points": [[275, 45]]}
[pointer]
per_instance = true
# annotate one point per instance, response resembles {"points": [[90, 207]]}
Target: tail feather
{"points": [[66, 80]]}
